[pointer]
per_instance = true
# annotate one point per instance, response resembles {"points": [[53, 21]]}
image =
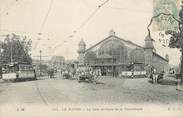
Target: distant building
{"points": [[43, 68], [114, 54], [57, 62], [37, 62]]}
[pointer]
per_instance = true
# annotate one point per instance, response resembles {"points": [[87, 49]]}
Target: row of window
{"points": [[118, 51], [11, 69]]}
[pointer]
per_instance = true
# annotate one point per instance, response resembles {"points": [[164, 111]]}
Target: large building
{"points": [[114, 54]]}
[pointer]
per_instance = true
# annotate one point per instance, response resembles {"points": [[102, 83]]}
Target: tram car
{"points": [[18, 71]]}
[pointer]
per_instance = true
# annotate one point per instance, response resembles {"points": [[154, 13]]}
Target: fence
{"points": [[133, 74]]}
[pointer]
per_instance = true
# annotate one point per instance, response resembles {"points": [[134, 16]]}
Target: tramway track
{"points": [[41, 94]]}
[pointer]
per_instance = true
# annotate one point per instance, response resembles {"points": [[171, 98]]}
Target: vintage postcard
{"points": [[67, 58]]}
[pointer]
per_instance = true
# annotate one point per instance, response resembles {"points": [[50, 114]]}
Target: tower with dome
{"points": [[81, 52], [114, 54]]}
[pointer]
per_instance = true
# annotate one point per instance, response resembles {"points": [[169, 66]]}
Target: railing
{"points": [[132, 74]]}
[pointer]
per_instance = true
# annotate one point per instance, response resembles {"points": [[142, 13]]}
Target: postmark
{"points": [[167, 12], [165, 17]]}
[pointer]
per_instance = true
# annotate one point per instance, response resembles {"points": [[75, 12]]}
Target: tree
{"points": [[16, 49], [176, 39]]}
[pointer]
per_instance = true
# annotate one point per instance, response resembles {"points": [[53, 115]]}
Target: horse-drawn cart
{"points": [[156, 77], [66, 76], [86, 78]]}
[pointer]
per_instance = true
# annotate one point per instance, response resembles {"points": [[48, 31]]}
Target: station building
{"points": [[114, 55]]}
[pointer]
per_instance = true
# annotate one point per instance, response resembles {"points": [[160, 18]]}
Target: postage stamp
{"points": [[165, 13]]}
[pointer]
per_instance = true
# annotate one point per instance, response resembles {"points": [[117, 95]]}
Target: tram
{"points": [[18, 71]]}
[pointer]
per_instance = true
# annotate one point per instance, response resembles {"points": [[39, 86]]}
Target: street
{"points": [[108, 90]]}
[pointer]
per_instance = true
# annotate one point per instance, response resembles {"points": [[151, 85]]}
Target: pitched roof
{"points": [[126, 41], [156, 54]]}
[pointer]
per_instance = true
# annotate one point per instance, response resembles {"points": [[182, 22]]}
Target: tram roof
{"points": [[15, 63]]}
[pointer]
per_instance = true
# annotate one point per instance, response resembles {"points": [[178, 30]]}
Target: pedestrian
{"points": [[151, 74], [132, 75], [51, 73], [61, 71], [155, 76]]}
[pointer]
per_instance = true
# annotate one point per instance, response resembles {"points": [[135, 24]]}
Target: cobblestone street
{"points": [[106, 91]]}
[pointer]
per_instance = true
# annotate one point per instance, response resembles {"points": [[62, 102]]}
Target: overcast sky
{"points": [[128, 18]]}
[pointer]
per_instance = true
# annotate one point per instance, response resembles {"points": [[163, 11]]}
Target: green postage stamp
{"points": [[165, 13]]}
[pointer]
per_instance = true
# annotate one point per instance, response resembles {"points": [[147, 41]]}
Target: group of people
{"points": [[75, 73], [68, 73], [155, 76], [88, 71]]}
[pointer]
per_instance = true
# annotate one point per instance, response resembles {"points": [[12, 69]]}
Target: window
{"points": [[137, 56], [115, 49]]}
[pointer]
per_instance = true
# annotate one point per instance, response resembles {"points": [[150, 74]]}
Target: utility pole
{"points": [[40, 61], [40, 52], [11, 54]]}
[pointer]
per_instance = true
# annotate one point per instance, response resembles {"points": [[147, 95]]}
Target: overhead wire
{"points": [[92, 15], [44, 22], [85, 22], [8, 6], [13, 3], [121, 8], [6, 9], [82, 24], [128, 9], [46, 16]]}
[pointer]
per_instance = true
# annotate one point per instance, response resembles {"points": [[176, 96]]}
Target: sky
{"points": [[59, 22]]}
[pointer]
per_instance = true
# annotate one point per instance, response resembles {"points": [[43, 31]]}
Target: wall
{"points": [[148, 56], [160, 64], [81, 59]]}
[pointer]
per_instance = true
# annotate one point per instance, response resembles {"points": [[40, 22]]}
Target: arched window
{"points": [[114, 48], [137, 56]]}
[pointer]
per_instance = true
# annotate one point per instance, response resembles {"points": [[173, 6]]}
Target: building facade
{"points": [[114, 54], [57, 62]]}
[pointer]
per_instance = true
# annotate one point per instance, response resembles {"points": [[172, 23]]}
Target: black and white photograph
{"points": [[64, 58]]}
